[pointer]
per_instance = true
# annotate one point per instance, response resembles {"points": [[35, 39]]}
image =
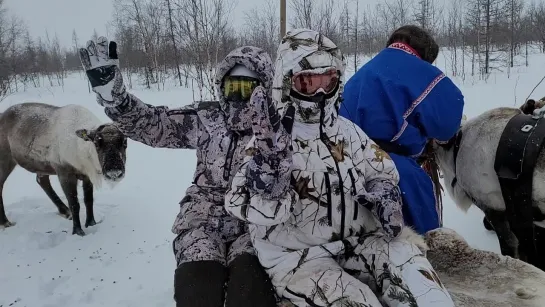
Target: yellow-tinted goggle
{"points": [[239, 88]]}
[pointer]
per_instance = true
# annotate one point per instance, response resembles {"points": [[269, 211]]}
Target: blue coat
{"points": [[399, 98]]}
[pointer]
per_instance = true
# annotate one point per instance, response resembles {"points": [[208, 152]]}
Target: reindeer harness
{"points": [[517, 153]]}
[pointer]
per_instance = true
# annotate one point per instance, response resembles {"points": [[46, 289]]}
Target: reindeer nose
{"points": [[114, 174]]}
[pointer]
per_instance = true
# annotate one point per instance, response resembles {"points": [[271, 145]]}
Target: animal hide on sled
{"points": [[477, 278]]}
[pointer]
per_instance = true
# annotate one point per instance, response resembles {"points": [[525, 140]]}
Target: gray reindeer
{"points": [[69, 142], [470, 173]]}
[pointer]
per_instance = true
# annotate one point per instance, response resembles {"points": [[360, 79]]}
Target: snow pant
{"points": [[213, 269], [420, 206], [368, 271]]}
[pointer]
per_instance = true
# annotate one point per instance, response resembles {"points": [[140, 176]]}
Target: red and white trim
{"points": [[404, 47], [415, 104]]}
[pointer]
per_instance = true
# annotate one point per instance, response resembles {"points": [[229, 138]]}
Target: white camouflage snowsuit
{"points": [[333, 234], [219, 133]]}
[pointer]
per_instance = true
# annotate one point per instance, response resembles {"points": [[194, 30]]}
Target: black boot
{"points": [[249, 285], [200, 284]]}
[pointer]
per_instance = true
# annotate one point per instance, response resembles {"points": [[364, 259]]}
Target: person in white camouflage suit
{"points": [[322, 198], [211, 247]]}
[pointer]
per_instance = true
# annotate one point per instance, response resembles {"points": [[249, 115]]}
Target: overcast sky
{"points": [[62, 16]]}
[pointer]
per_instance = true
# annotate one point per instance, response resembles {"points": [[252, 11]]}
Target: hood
{"points": [[304, 49], [253, 58]]}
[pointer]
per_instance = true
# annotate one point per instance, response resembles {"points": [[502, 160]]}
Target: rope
{"points": [[535, 88]]}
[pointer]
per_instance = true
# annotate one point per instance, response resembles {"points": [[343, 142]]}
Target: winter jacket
{"points": [[402, 101], [398, 97], [218, 131], [335, 166]]}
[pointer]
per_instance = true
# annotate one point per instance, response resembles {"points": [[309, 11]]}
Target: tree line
{"points": [[183, 40]]}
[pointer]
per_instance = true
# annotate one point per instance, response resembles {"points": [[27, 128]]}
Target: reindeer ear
{"points": [[85, 134]]}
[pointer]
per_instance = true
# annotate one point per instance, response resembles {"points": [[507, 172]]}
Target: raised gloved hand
{"points": [[101, 65], [269, 171], [383, 199]]}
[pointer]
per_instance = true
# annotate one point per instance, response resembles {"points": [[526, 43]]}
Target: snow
{"points": [[126, 259]]}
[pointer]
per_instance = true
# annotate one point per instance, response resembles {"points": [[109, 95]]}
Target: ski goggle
{"points": [[239, 88], [308, 82]]}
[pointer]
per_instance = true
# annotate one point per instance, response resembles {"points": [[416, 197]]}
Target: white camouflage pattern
{"points": [[333, 234]]}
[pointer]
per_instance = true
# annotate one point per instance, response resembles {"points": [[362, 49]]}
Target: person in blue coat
{"points": [[402, 101]]}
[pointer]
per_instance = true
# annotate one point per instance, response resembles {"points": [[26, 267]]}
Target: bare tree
{"points": [[206, 32], [261, 27], [303, 13], [514, 10], [538, 24], [400, 11], [173, 39], [453, 33], [427, 15]]}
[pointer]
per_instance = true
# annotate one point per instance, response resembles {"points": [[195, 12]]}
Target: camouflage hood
{"points": [[304, 49], [256, 60]]}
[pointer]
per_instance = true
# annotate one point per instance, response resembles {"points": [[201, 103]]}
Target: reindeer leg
{"points": [[6, 167], [507, 239], [45, 184], [88, 200], [69, 184]]}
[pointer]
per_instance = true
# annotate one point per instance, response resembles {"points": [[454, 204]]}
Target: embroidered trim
{"points": [[415, 104], [403, 127], [404, 47]]}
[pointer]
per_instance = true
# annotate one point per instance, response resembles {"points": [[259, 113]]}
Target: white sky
{"points": [[63, 16]]}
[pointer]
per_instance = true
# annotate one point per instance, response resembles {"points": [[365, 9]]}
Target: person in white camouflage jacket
{"points": [[322, 198], [211, 248]]}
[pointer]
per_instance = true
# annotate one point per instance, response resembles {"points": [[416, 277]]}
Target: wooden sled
{"points": [[477, 278]]}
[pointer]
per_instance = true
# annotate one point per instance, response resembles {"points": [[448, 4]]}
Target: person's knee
{"points": [[199, 245], [241, 246], [335, 285]]}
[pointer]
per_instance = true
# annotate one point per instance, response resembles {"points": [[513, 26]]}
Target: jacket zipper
{"points": [[341, 186], [229, 157], [330, 205], [354, 193], [326, 141], [343, 203]]}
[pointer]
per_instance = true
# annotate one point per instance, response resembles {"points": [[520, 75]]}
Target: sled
{"points": [[477, 278]]}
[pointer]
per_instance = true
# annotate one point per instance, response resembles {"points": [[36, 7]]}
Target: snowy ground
{"points": [[126, 260]]}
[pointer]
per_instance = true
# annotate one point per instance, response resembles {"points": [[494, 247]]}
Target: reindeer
{"points": [[471, 179], [69, 142]]}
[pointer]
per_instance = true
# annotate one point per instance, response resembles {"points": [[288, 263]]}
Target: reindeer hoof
{"points": [[90, 223], [7, 224], [78, 231]]}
